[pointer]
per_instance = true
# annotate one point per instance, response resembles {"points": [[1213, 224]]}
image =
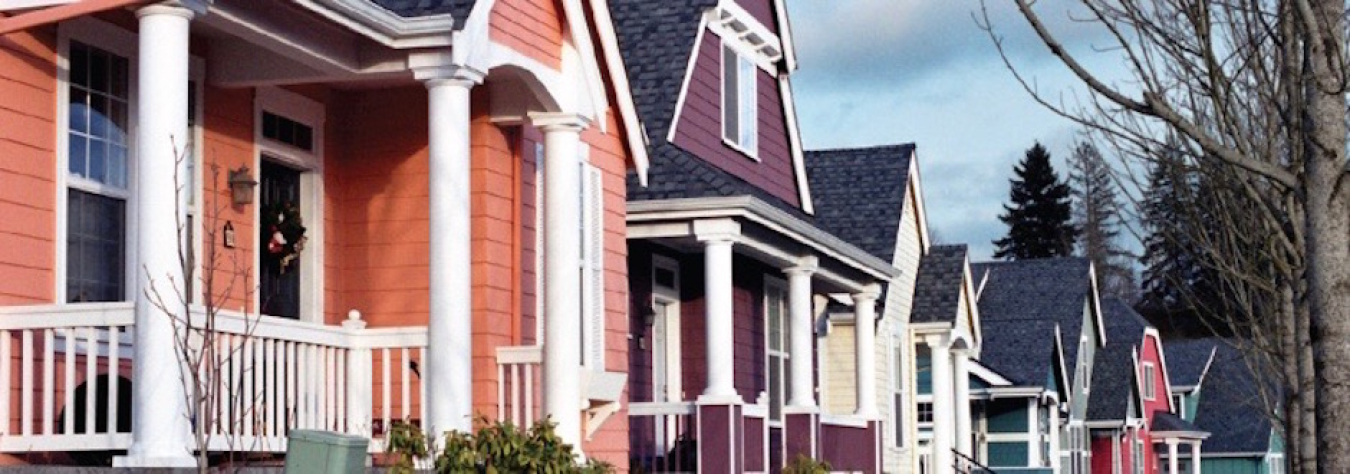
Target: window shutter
{"points": [[593, 257]]}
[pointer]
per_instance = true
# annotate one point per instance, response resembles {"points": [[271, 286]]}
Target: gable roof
{"points": [[937, 287], [1113, 368], [1230, 407], [1188, 359], [859, 194], [656, 39], [1021, 304]]}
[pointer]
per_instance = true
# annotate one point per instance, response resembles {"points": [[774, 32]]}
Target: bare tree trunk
{"points": [[1306, 390], [1328, 230]]}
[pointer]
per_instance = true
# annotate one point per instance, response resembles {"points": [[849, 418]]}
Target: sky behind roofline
{"points": [[878, 72]]}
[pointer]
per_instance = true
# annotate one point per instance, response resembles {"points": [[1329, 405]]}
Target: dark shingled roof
{"points": [[1230, 407], [937, 288], [458, 9], [1186, 359], [1113, 374], [1020, 305], [1166, 421], [656, 38], [859, 194]]}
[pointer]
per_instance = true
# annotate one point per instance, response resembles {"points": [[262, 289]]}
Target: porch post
{"points": [[161, 435], [961, 376], [801, 392], [1195, 457], [1172, 456], [943, 408], [449, 364], [865, 349], [718, 236], [562, 254]]}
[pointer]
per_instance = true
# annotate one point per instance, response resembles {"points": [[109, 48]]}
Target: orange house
{"points": [[362, 196]]}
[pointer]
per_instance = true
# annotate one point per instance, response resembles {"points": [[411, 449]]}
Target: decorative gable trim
{"points": [[795, 144], [684, 82], [623, 91], [920, 209], [1095, 305], [785, 35], [740, 29], [1152, 333], [967, 293]]}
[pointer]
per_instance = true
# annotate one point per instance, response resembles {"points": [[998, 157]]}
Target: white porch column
{"points": [[562, 255], [718, 236], [449, 364], [961, 396], [161, 435], [1172, 456], [943, 406], [802, 391], [865, 350], [1195, 457]]}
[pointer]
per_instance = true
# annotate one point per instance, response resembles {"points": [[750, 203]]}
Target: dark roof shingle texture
{"points": [[458, 9], [859, 194], [1230, 407], [937, 288], [1113, 371], [1166, 421], [1186, 359], [1020, 305]]}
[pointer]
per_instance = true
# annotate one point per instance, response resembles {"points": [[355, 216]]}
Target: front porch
{"points": [[270, 376]]}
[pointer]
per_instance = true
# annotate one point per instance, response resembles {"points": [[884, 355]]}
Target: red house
{"points": [[1131, 416]]}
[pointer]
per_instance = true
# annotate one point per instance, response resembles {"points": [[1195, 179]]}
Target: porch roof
{"points": [[1188, 360], [459, 9], [937, 288]]}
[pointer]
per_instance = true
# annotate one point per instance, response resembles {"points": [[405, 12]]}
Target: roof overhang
{"points": [[1180, 435], [373, 21], [856, 270]]}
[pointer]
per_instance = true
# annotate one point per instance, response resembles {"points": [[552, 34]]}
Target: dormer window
{"points": [[739, 110]]}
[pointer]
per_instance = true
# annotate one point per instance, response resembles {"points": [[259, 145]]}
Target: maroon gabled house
{"points": [[729, 273]]}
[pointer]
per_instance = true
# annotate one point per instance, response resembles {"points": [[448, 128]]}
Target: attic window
{"points": [[1150, 390], [290, 132], [739, 110]]}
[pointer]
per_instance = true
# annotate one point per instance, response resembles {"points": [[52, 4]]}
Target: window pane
{"points": [[747, 105], [730, 92], [79, 111], [98, 71], [79, 64], [96, 239], [775, 388], [78, 151], [117, 121], [117, 166], [98, 117]]}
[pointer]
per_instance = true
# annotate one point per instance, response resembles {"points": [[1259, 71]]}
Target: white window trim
{"points": [[784, 354], [310, 164], [197, 74], [734, 142], [896, 374], [113, 39], [539, 243]]}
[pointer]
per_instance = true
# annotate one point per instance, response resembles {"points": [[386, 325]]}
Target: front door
{"points": [[666, 367], [279, 293]]}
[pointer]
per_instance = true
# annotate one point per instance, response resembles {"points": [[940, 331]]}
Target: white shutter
{"points": [[592, 264], [539, 243]]}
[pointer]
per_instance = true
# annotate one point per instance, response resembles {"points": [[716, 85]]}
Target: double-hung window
{"points": [[739, 109], [98, 183], [1150, 388], [897, 389]]}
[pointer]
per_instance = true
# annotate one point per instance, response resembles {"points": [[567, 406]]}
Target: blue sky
{"points": [[896, 71]]}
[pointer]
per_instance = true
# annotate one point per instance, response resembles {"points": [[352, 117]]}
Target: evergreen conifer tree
{"points": [[1039, 212], [1097, 217]]}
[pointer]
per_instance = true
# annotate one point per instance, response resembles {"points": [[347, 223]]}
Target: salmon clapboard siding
{"points": [[28, 167], [699, 127], [532, 27]]}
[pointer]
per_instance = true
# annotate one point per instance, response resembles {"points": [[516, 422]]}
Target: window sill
{"points": [[742, 150]]}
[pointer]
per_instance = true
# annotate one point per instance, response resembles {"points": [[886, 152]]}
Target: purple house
{"points": [[729, 270]]}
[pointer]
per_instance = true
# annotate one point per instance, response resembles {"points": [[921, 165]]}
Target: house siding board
{"points": [[761, 10], [699, 129], [1232, 466], [28, 167], [531, 27], [228, 139]]}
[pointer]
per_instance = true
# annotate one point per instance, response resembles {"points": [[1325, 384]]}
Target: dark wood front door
{"points": [[280, 288]]}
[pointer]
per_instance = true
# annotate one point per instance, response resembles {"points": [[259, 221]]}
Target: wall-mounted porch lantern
{"points": [[241, 185]]}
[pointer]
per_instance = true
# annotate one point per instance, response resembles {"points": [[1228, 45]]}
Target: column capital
{"points": [[868, 294], [717, 230], [183, 8], [804, 266], [439, 67], [938, 342], [559, 121]]}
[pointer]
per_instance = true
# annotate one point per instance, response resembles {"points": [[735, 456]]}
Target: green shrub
{"points": [[406, 443], [805, 465], [501, 447]]}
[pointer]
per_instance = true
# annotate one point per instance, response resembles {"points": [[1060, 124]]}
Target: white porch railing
{"points": [[272, 375], [662, 435], [519, 368]]}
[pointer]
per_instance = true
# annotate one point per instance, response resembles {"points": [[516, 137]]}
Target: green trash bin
{"points": [[325, 452]]}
